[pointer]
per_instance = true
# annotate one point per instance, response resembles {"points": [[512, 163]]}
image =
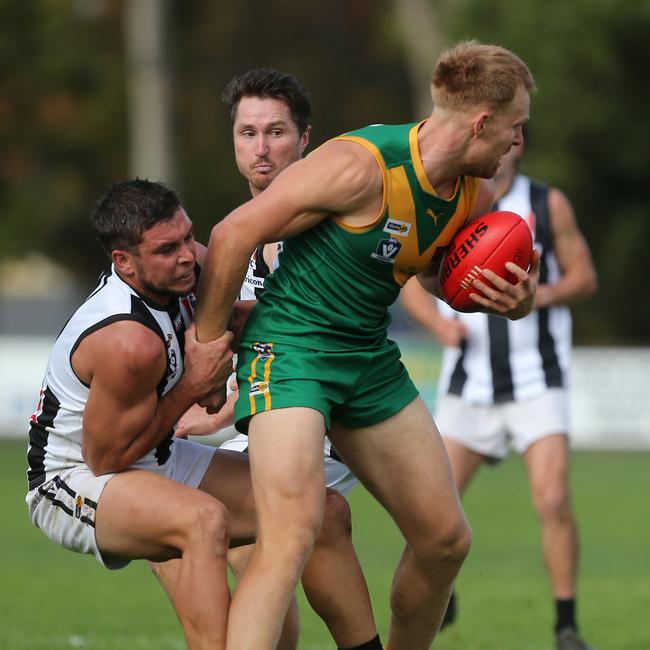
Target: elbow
{"points": [[100, 462]]}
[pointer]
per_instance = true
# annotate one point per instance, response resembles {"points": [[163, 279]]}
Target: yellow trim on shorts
{"points": [[266, 379], [251, 398]]}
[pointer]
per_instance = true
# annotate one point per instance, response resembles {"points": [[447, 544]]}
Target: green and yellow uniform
{"points": [[318, 336]]}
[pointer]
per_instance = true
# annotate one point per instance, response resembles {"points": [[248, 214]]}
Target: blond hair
{"points": [[473, 74]]}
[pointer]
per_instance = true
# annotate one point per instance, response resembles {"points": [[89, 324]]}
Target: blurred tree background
{"points": [[64, 117]]}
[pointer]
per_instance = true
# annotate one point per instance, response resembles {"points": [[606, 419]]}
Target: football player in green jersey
{"points": [[359, 216]]}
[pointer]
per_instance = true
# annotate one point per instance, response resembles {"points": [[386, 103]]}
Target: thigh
{"points": [[285, 448], [142, 514], [228, 479], [403, 462], [548, 461]]}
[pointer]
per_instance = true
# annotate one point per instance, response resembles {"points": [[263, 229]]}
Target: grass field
{"points": [[53, 599]]}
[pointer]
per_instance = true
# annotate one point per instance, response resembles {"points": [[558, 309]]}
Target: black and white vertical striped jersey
{"points": [[257, 273], [56, 427], [503, 360]]}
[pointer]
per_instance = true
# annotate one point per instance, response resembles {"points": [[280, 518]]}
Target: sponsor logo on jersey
{"points": [[397, 228], [387, 250], [433, 215], [255, 282], [172, 359], [78, 503], [259, 388], [264, 350]]}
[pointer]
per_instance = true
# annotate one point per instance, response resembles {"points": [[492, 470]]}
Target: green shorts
{"points": [[354, 387]]}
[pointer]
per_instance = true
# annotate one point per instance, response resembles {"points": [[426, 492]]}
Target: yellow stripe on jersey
{"points": [[382, 167]]}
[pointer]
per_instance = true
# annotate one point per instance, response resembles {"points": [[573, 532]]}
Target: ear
{"points": [[479, 123], [304, 139], [123, 261]]}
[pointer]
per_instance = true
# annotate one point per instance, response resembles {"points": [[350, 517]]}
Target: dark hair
{"points": [[128, 209], [267, 82]]}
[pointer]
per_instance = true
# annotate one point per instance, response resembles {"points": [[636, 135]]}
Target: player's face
{"points": [[266, 140], [162, 265], [501, 131]]}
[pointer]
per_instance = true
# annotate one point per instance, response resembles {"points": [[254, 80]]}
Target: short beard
{"points": [[167, 293]]}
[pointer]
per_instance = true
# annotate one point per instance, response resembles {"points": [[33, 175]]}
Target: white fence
{"points": [[610, 405]]}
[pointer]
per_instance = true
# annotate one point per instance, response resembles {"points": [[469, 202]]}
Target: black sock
{"points": [[565, 611], [373, 644]]}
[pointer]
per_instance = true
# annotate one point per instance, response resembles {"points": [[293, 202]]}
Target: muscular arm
{"points": [[579, 278], [339, 178], [123, 363]]}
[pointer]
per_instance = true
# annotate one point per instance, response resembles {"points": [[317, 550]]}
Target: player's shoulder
{"points": [[128, 344]]}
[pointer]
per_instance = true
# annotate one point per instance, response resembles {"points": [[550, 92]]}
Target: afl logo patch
{"points": [[397, 228], [386, 251], [259, 388]]}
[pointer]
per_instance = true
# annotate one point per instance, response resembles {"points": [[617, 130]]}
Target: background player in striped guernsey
{"points": [[506, 382], [358, 217], [270, 111], [106, 476]]}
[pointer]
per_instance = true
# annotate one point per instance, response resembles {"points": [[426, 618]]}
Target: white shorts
{"points": [[64, 506], [337, 474], [491, 430]]}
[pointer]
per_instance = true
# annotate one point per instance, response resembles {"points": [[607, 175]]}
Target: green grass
{"points": [[53, 599]]}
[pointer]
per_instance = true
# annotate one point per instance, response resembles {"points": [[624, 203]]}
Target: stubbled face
{"points": [[266, 140], [500, 132], [162, 265], [508, 163]]}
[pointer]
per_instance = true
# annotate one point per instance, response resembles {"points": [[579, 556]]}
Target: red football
{"points": [[487, 242]]}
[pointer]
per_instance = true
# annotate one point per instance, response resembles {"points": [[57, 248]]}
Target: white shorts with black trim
{"points": [[491, 430], [64, 507], [337, 474]]}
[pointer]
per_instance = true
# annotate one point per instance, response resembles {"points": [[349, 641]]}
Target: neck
{"points": [[442, 146], [503, 182]]}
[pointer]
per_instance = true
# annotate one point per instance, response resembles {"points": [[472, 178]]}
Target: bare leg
{"points": [[238, 558], [403, 462], [464, 463], [286, 455], [547, 461], [334, 582], [173, 520]]}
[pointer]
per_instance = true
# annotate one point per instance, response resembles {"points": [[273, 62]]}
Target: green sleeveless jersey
{"points": [[335, 283]]}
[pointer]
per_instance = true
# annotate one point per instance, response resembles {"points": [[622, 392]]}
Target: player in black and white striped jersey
{"points": [[504, 383], [270, 111], [106, 476]]}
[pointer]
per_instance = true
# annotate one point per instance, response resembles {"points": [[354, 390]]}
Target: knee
{"points": [[207, 525], [337, 518], [448, 543], [552, 503]]}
